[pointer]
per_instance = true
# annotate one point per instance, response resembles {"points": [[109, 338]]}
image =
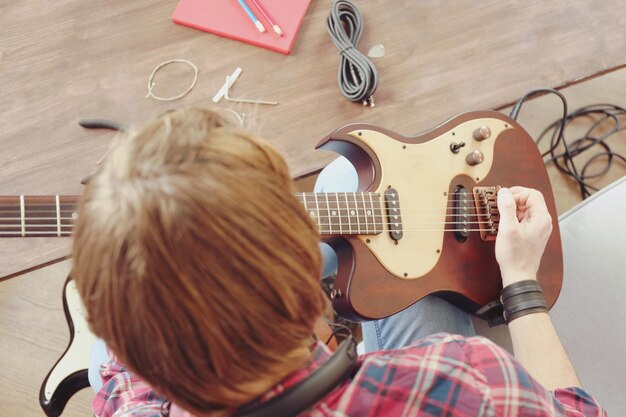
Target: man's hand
{"points": [[525, 226]]}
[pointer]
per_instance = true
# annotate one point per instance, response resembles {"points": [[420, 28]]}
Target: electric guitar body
{"points": [[69, 374], [423, 221], [441, 216]]}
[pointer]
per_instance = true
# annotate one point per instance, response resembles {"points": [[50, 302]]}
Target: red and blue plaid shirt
{"points": [[442, 375]]}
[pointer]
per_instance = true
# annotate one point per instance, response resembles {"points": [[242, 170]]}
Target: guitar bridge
{"points": [[487, 214]]}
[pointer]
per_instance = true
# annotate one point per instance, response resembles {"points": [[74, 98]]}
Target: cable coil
{"points": [[606, 121], [357, 75]]}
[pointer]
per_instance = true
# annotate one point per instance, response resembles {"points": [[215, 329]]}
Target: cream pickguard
{"points": [[423, 204]]}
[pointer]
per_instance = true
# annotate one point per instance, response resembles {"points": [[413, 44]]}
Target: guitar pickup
{"points": [[461, 212], [487, 214], [394, 220]]}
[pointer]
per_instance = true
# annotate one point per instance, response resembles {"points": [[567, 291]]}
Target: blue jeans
{"points": [[428, 316]]}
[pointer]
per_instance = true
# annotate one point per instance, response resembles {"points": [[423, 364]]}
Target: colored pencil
{"points": [[268, 18], [252, 16]]}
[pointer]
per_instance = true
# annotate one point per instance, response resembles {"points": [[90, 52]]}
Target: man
{"points": [[200, 271]]}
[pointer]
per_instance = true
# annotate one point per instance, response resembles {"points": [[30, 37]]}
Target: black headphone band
{"points": [[306, 393]]}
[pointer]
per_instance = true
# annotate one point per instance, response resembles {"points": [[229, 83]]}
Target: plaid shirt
{"points": [[442, 375]]}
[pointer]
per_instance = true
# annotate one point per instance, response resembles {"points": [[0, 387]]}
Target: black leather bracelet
{"points": [[520, 287], [522, 298]]}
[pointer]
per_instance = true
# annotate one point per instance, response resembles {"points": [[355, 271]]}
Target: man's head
{"points": [[196, 264]]}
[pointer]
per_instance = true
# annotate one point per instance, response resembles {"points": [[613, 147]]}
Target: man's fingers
{"points": [[530, 203], [507, 207]]}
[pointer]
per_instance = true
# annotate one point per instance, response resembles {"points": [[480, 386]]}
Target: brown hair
{"points": [[196, 264]]}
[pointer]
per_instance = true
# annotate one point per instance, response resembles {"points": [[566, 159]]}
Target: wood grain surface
{"points": [[66, 60], [33, 335]]}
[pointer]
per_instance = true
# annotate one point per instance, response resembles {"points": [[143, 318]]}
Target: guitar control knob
{"points": [[482, 133], [474, 158]]}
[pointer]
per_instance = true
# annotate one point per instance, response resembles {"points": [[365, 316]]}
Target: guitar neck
{"points": [[49, 216], [344, 213], [37, 216]]}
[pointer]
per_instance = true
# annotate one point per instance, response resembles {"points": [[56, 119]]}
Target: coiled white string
{"points": [[151, 82]]}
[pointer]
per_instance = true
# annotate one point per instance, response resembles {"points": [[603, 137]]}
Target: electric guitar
{"points": [[434, 216], [423, 221]]}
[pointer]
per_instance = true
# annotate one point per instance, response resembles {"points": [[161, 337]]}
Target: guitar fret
{"points": [[23, 215], [367, 223], [317, 213], [330, 221], [339, 213], [306, 205], [322, 213], [378, 210], [373, 212], [358, 221], [58, 215], [345, 195]]}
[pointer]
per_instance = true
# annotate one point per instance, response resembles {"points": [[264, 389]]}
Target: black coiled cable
{"points": [[606, 120], [357, 76]]}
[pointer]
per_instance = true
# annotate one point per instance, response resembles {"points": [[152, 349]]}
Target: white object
{"points": [[590, 312], [244, 100], [151, 82], [230, 80]]}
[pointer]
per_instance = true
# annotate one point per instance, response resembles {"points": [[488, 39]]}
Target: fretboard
{"points": [[344, 213], [49, 216], [37, 216]]}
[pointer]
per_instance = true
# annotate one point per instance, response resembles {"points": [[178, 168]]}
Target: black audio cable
{"points": [[606, 120], [357, 76]]}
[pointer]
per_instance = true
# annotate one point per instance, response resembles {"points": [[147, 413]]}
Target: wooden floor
{"points": [[33, 331]]}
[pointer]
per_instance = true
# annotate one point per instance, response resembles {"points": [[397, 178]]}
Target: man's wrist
{"points": [[522, 298], [509, 278]]}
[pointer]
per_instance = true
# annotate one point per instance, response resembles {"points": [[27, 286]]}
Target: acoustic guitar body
{"points": [[442, 241]]}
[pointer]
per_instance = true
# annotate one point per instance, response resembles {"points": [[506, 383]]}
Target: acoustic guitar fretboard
{"points": [[37, 216]]}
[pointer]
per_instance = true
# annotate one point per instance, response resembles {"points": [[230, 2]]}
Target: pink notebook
{"points": [[227, 18]]}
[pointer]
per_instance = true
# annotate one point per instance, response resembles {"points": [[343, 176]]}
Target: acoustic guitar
{"points": [[423, 220]]}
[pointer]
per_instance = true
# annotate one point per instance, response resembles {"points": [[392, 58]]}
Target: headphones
{"points": [[304, 394]]}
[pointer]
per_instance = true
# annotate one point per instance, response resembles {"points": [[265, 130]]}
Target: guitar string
{"points": [[362, 227], [348, 232], [306, 202], [321, 214], [308, 205], [365, 218], [339, 212], [337, 206], [341, 198], [297, 195], [361, 218]]}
